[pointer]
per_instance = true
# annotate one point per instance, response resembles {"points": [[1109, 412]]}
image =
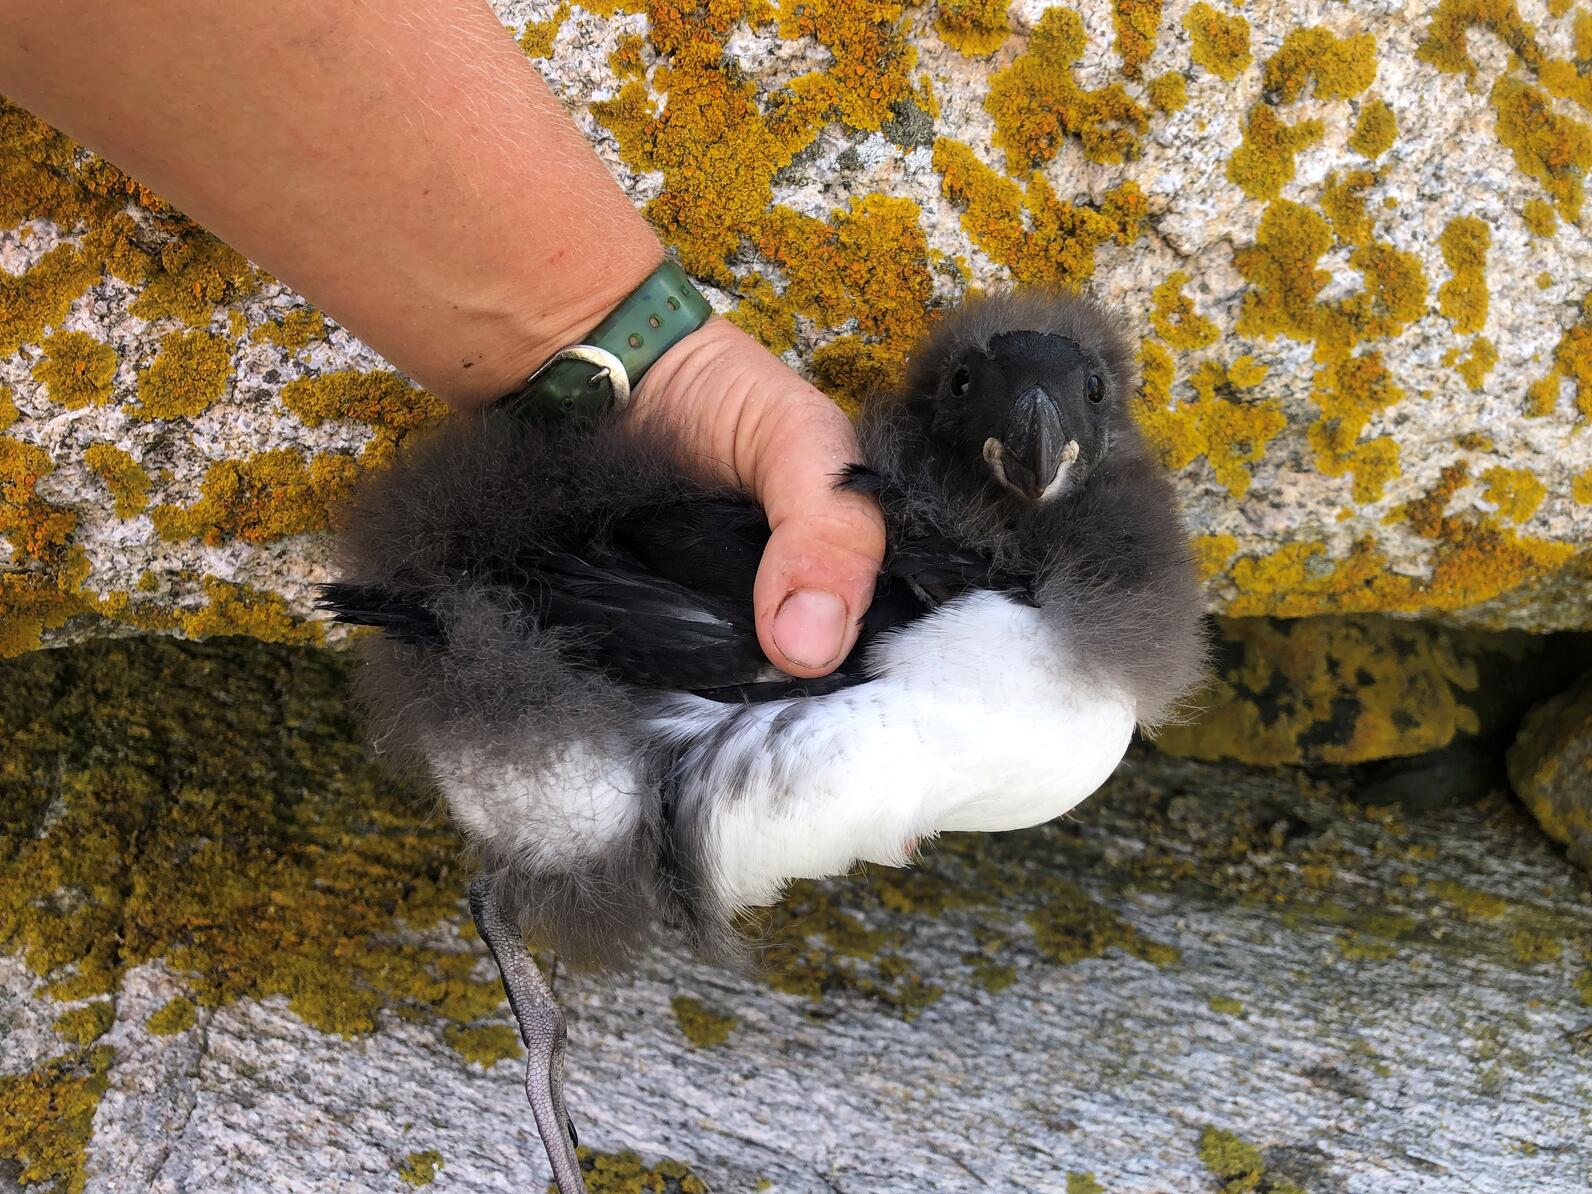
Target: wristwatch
{"points": [[594, 377]]}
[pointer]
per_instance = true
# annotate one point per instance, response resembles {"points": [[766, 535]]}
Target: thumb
{"points": [[785, 443], [817, 574]]}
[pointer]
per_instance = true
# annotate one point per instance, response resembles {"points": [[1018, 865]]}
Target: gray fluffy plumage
{"points": [[451, 528]]}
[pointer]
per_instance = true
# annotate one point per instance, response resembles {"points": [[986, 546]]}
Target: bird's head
{"points": [[1026, 393]]}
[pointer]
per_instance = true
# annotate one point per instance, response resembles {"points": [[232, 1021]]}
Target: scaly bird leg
{"points": [[541, 1028]]}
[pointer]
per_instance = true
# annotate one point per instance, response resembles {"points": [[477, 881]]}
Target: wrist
{"points": [[524, 326]]}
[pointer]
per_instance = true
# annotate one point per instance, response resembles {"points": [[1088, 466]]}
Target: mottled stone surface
{"points": [[1550, 766], [1367, 687], [1363, 1001], [1354, 238]]}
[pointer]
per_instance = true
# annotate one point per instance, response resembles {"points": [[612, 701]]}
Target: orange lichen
{"points": [[1036, 101], [1173, 316], [537, 38], [123, 476], [1037, 236], [1342, 67], [1350, 393], [1343, 201], [975, 27], [1555, 150], [261, 498], [1264, 162], [1218, 42], [1168, 92], [1375, 130], [1515, 491], [872, 60], [188, 375], [1444, 45], [864, 268], [1463, 298], [297, 329], [197, 274], [76, 369], [1137, 23]]}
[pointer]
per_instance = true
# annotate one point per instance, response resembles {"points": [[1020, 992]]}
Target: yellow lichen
{"points": [[1555, 150], [1168, 92], [537, 38], [1231, 433], [234, 609], [1539, 217], [37, 529], [1444, 45], [483, 1044], [1581, 488], [699, 1024], [1342, 67], [1212, 552], [197, 274], [975, 27], [1463, 298], [260, 498], [1544, 280], [188, 375], [1515, 491], [1476, 364], [1218, 42], [47, 1117], [1173, 316], [76, 369], [173, 1016], [1343, 201], [1137, 23], [295, 330], [1350, 393], [85, 1025], [1572, 360], [624, 1173], [9, 413], [392, 407], [871, 58], [1264, 162], [41, 297], [1036, 101], [1070, 926], [864, 269], [1037, 236], [122, 475], [1375, 130], [420, 1168]]}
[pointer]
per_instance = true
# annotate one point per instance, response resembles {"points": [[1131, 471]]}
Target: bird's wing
{"points": [[397, 616], [709, 545]]}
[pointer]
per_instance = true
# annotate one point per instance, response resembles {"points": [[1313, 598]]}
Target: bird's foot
{"points": [[541, 1028]]}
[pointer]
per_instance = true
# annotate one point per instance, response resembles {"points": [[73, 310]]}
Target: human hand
{"points": [[761, 427]]}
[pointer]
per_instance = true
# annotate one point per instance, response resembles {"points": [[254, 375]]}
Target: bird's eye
{"points": [[960, 380], [1097, 388]]}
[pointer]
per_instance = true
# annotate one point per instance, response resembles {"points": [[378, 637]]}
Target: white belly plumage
{"points": [[977, 720]]}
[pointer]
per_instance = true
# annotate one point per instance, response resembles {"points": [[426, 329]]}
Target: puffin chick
{"points": [[569, 648]]}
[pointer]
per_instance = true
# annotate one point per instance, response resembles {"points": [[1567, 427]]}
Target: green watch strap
{"points": [[589, 379]]}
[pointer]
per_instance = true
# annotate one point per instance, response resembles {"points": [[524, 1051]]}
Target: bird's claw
{"points": [[541, 1028]]}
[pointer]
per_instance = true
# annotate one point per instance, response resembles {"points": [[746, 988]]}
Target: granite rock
{"points": [[1353, 237], [1550, 767]]}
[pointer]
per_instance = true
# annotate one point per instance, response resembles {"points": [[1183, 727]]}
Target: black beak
{"points": [[1031, 457]]}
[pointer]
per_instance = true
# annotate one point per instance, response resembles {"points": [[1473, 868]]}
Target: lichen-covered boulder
{"points": [[1361, 688], [1354, 237], [234, 958], [1550, 767]]}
